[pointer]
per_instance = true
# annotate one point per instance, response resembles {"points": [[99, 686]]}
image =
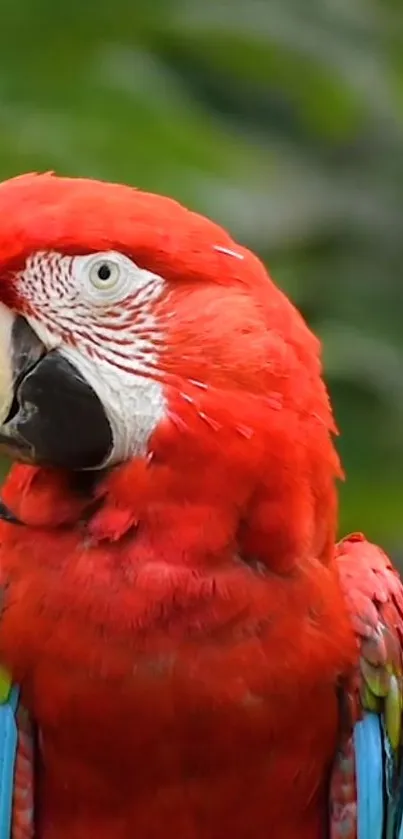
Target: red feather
{"points": [[175, 685]]}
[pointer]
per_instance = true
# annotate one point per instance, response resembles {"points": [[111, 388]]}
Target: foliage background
{"points": [[283, 120]]}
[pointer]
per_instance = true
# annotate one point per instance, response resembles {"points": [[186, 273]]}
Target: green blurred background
{"points": [[283, 120]]}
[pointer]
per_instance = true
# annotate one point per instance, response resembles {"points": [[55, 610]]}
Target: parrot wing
{"points": [[366, 791], [17, 761]]}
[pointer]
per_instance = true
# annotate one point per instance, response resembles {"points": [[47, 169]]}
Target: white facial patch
{"points": [[98, 310], [6, 371]]}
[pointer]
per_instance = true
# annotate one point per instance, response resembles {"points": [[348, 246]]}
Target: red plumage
{"points": [[178, 628]]}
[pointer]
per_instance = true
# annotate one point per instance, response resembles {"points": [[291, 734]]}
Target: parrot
{"points": [[186, 650]]}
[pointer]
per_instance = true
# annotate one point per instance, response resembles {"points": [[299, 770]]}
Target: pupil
{"points": [[104, 272]]}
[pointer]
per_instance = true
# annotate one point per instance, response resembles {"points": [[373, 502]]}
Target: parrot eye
{"points": [[109, 277], [104, 274]]}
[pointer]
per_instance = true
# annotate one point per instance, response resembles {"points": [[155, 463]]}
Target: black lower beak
{"points": [[56, 418]]}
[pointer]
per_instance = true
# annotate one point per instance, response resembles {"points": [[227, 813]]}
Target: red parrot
{"points": [[196, 658]]}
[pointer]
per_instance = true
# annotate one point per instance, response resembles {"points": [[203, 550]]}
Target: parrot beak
{"points": [[49, 414]]}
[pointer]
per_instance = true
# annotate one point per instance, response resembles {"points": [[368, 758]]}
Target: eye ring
{"points": [[104, 274]]}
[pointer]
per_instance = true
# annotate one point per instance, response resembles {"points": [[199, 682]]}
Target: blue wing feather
{"points": [[369, 767], [8, 751]]}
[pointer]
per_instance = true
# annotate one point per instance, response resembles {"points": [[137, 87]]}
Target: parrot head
{"points": [[133, 329]]}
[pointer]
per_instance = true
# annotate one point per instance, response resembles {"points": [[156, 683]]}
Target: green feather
{"points": [[5, 685]]}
